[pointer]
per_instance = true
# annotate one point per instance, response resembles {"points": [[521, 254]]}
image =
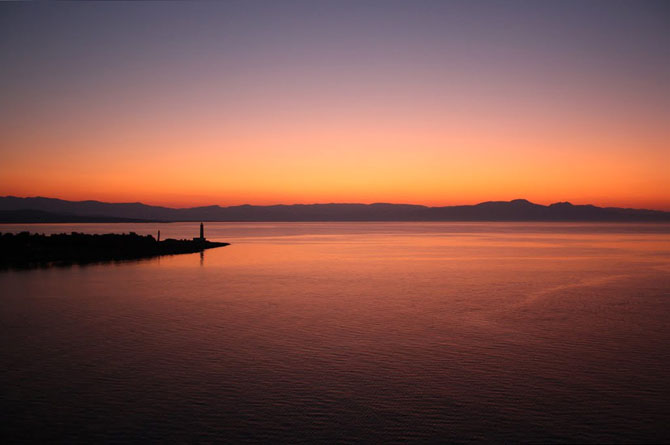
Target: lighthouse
{"points": [[201, 239]]}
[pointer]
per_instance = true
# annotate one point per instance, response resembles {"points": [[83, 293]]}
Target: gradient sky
{"points": [[428, 102]]}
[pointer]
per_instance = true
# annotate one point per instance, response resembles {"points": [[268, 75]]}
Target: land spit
{"points": [[25, 250]]}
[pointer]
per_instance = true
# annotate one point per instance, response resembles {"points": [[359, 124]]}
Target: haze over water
{"points": [[347, 331]]}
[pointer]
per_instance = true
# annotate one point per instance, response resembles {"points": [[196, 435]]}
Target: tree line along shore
{"points": [[25, 250]]}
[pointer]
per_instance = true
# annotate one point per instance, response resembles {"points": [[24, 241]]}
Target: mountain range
{"points": [[38, 209]]}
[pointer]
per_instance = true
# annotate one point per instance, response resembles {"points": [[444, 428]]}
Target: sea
{"points": [[362, 332]]}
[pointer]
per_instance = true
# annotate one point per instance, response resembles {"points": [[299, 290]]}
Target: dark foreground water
{"points": [[378, 332]]}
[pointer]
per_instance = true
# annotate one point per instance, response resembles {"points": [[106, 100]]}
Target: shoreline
{"points": [[27, 250]]}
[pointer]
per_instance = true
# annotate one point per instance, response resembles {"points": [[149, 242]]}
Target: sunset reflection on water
{"points": [[351, 331]]}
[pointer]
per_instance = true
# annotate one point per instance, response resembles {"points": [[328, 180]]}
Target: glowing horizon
{"points": [[433, 103], [288, 203]]}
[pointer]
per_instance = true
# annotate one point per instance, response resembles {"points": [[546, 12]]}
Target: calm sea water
{"points": [[381, 332]]}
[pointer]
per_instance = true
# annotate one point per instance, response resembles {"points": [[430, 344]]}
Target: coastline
{"points": [[27, 250]]}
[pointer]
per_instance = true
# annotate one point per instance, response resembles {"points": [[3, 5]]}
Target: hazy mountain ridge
{"points": [[516, 210], [41, 216]]}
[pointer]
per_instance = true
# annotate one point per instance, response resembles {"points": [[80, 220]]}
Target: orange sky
{"points": [[331, 119]]}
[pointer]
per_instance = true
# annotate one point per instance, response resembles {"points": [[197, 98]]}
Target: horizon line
{"points": [[334, 203]]}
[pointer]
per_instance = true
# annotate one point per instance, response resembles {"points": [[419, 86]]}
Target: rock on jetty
{"points": [[33, 250]]}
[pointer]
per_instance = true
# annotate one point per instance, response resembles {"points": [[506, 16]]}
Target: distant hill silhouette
{"points": [[40, 216], [516, 210]]}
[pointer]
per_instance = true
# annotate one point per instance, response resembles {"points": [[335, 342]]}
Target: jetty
{"points": [[25, 250]]}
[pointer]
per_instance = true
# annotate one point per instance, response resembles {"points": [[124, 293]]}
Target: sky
{"points": [[267, 102]]}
